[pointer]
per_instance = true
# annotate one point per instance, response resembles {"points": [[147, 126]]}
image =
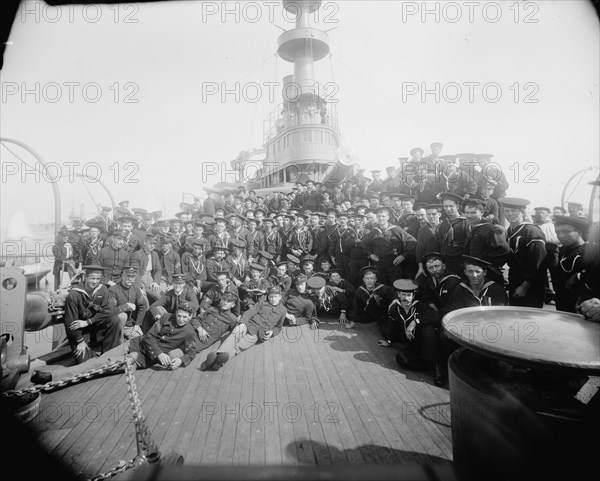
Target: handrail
{"points": [[55, 191]]}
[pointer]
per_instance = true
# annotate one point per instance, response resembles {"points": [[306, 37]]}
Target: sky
{"points": [[153, 98]]}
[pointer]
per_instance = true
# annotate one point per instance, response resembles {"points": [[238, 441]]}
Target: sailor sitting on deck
{"points": [[87, 316], [415, 325], [261, 322], [300, 306], [171, 342]]}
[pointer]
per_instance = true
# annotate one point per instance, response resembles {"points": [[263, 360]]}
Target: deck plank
{"points": [[270, 418], [306, 402], [289, 412], [210, 450], [190, 445], [253, 412], [241, 450], [281, 395], [230, 420], [325, 409], [175, 429]]}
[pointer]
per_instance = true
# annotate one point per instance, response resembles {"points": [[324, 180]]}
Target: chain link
{"points": [[120, 468], [149, 449]]}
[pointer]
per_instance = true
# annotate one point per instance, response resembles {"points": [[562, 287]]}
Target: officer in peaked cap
{"points": [[129, 270], [274, 291], [416, 151], [405, 285], [316, 282]]}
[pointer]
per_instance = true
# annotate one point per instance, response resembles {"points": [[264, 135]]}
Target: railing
{"points": [[275, 123]]}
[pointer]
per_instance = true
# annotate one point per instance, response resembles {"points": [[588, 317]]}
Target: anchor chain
{"points": [[149, 450], [107, 368]]}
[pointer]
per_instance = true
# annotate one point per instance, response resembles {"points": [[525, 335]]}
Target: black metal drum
{"points": [[521, 393]]}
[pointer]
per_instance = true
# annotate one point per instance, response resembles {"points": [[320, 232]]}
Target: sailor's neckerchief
{"points": [[482, 293], [518, 229], [411, 313], [440, 284], [449, 236], [372, 294]]}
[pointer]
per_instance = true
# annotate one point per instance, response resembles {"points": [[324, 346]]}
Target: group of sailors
{"points": [[244, 265]]}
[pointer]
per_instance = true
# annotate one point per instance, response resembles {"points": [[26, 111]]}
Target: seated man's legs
{"points": [[238, 341], [110, 331]]}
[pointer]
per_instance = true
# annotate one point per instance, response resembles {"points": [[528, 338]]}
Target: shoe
{"points": [[208, 363], [40, 377], [349, 325], [438, 377], [222, 358]]}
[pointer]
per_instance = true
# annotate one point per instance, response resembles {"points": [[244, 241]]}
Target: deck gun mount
{"points": [[21, 311]]}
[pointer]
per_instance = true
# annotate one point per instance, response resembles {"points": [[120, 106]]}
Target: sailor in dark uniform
{"points": [[254, 288], [193, 265], [112, 257], [300, 306], [299, 240], [371, 299], [479, 290], [86, 318], [439, 285], [415, 327], [452, 234], [526, 275], [272, 240], [171, 300], [377, 184], [307, 267], [213, 295], [389, 246], [281, 279], [217, 264], [487, 240], [569, 262], [127, 303], [331, 300]]}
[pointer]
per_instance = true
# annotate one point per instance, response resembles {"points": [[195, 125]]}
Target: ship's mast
{"points": [[301, 137]]}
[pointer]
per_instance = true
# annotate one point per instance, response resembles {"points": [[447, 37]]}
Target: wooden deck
{"points": [[330, 396]]}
